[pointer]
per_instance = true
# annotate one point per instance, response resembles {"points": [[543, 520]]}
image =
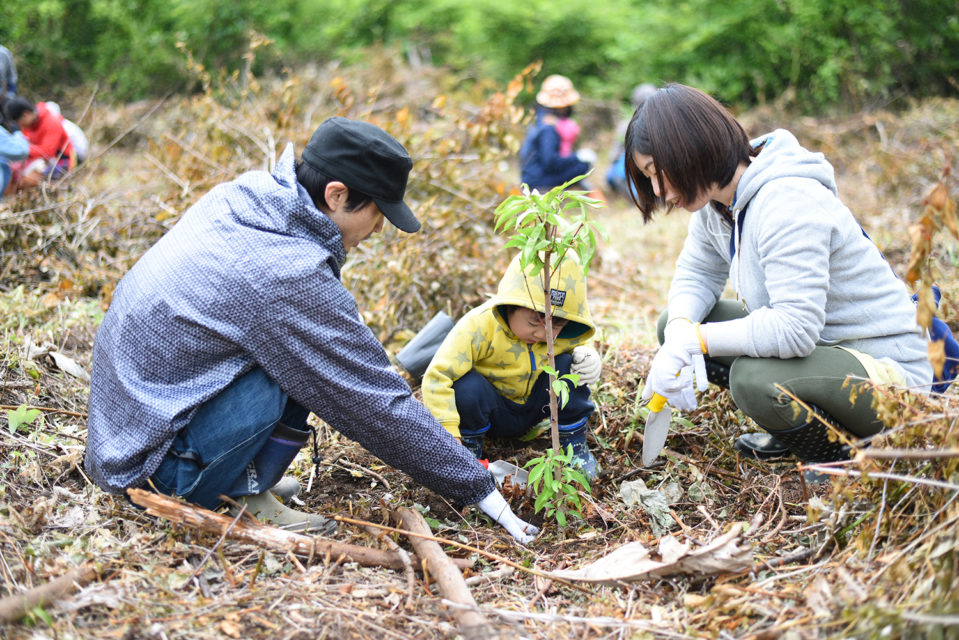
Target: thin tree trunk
{"points": [[553, 400]]}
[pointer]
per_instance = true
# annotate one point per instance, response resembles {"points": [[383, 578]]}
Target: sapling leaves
{"points": [[547, 227]]}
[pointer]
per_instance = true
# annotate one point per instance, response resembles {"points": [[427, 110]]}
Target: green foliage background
{"points": [[816, 53]]}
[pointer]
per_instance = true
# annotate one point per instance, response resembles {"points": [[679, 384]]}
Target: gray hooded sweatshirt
{"points": [[800, 263]]}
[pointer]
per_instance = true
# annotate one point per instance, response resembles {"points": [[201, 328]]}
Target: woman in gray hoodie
{"points": [[815, 301]]}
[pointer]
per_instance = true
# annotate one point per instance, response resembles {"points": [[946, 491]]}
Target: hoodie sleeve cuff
{"points": [[726, 338], [454, 429]]}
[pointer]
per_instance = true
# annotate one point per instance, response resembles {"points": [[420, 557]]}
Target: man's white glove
{"points": [[586, 155], [496, 507], [672, 371], [586, 364]]}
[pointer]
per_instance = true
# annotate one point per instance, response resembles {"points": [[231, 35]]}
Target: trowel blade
{"points": [[654, 437], [501, 469]]}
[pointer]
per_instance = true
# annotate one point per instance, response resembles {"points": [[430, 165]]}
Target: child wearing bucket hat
{"points": [[546, 156], [559, 94]]}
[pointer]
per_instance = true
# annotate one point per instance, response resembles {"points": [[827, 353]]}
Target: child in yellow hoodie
{"points": [[487, 377]]}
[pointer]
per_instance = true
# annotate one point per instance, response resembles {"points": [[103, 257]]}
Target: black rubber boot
{"points": [[810, 442], [582, 457], [270, 462], [760, 445]]}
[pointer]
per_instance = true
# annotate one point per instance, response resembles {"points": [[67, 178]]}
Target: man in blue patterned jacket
{"points": [[229, 331]]}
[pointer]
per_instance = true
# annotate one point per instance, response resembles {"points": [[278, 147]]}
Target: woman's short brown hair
{"points": [[693, 140]]}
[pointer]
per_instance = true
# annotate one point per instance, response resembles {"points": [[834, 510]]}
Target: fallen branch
{"points": [[489, 577], [550, 618], [472, 623], [260, 534], [906, 454], [781, 560], [13, 608], [352, 465], [833, 471]]}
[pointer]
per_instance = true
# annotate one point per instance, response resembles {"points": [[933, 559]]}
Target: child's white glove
{"points": [[496, 507], [586, 364]]}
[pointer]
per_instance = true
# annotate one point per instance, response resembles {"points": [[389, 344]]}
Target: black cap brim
{"points": [[399, 215]]}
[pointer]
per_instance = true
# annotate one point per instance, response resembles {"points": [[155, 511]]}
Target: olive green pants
{"points": [[762, 387]]}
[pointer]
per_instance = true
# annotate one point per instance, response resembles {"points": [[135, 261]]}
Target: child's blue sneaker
{"points": [[474, 444], [582, 456]]}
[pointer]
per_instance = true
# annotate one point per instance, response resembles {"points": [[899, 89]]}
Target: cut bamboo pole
{"points": [[472, 623], [263, 535]]}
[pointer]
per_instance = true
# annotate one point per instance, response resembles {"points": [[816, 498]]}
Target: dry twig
{"points": [[14, 607]]}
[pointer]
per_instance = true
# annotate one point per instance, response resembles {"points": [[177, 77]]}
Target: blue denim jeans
{"points": [[210, 453], [483, 411]]}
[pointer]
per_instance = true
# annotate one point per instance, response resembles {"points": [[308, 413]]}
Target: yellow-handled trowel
{"points": [[657, 428]]}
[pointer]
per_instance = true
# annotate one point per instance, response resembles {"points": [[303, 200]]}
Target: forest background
{"points": [[178, 96], [823, 53]]}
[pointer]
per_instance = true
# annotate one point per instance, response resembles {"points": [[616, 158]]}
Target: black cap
{"points": [[367, 159]]}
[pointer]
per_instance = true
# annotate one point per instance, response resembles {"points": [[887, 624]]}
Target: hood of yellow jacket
{"points": [[567, 292]]}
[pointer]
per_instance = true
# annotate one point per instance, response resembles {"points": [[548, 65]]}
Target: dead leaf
{"points": [[51, 300], [230, 628], [72, 518], [632, 561], [655, 503], [937, 355], [34, 518], [68, 365], [66, 287], [819, 597], [35, 352]]}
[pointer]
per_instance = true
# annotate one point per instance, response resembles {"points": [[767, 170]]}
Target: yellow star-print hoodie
{"points": [[482, 339]]}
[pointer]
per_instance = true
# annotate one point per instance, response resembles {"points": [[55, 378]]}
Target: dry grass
{"points": [[860, 557]]}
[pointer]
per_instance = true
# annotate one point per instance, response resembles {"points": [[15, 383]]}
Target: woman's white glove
{"points": [[678, 389], [496, 507], [678, 365], [586, 364]]}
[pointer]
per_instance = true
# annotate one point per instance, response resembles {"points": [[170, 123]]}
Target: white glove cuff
{"points": [[672, 326], [494, 505]]}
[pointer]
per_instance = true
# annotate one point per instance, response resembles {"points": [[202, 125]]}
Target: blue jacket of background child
{"points": [[541, 165]]}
